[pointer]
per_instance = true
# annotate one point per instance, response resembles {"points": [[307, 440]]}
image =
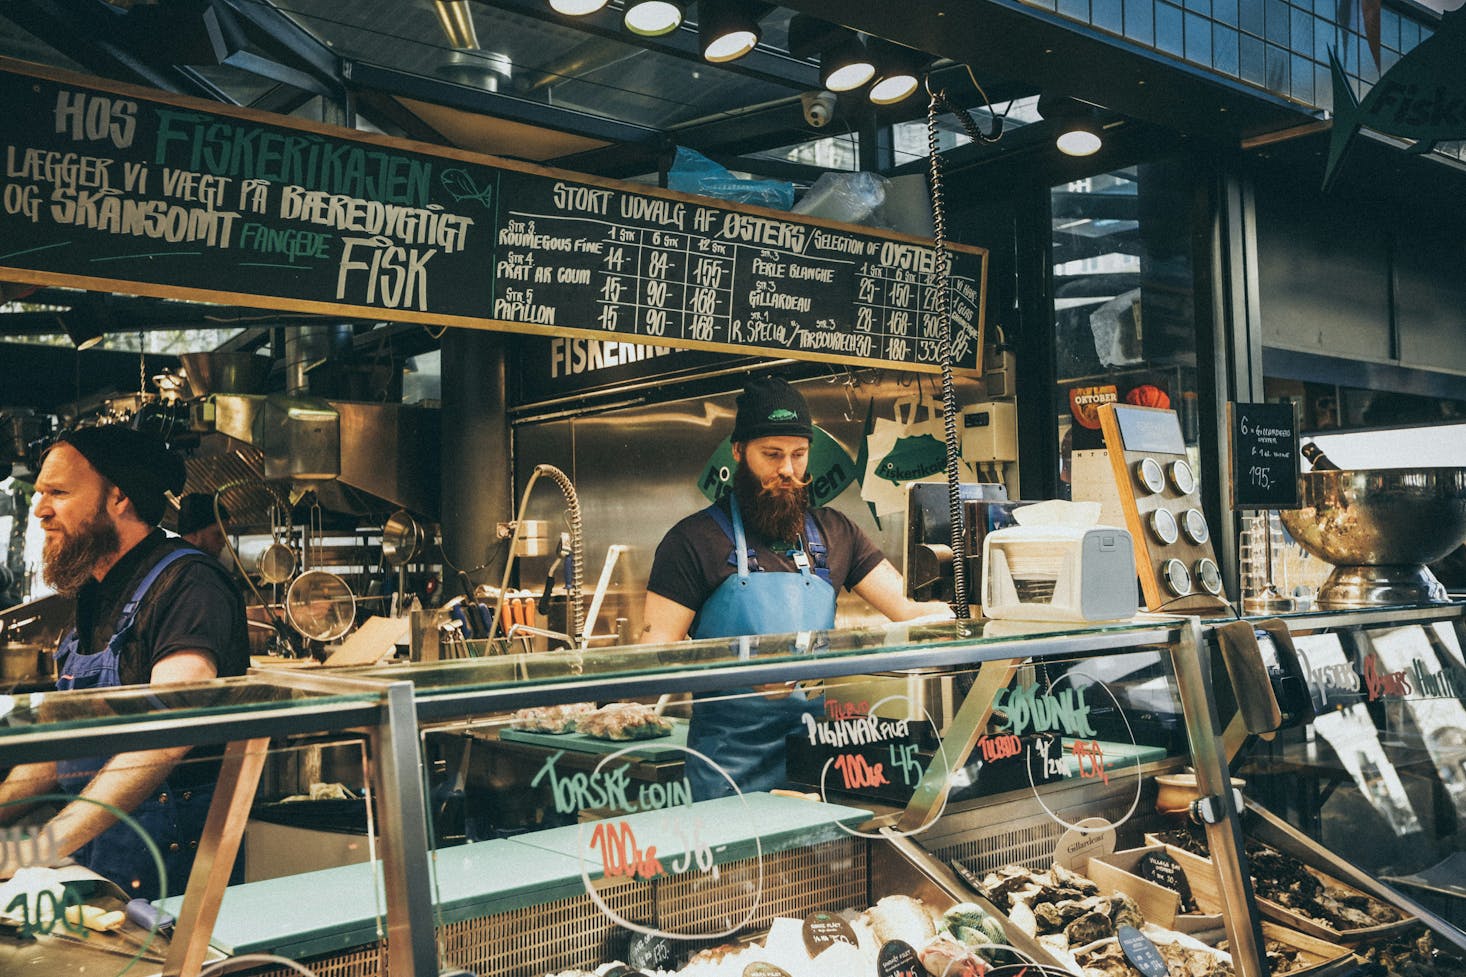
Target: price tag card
{"points": [[1142, 953], [1163, 870], [1264, 456], [898, 959], [1087, 839], [822, 929]]}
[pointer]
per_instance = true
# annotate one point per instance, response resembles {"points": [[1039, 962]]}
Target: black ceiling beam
{"points": [[88, 34], [288, 53], [763, 63], [385, 110], [362, 75], [1011, 39]]}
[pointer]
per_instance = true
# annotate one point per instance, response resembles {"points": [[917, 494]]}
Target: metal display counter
{"points": [[931, 748]]}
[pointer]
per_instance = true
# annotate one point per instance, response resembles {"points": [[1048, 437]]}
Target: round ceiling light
{"points": [[890, 89], [845, 66], [1080, 139], [653, 18], [726, 30], [577, 8]]}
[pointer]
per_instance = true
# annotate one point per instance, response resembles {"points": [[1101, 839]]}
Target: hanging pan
{"points": [[276, 561], [319, 604]]}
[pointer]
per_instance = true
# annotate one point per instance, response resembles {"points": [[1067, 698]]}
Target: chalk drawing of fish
{"points": [[460, 184], [1422, 97]]}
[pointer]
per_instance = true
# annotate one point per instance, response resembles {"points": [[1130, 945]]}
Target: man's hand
{"points": [[885, 590]]}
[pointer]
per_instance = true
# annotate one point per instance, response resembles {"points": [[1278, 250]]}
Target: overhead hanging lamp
{"points": [[726, 29], [845, 65], [653, 18], [1077, 130], [577, 8], [898, 72]]}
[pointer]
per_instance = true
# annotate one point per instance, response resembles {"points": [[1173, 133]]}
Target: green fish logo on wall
{"points": [[1421, 97], [830, 467]]}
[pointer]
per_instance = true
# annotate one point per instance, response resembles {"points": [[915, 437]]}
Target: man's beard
{"points": [[774, 509], [69, 558]]}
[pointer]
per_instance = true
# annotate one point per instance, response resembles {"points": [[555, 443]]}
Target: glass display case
{"points": [[492, 815]]}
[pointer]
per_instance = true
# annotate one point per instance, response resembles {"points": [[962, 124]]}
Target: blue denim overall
{"points": [[745, 735], [173, 817]]}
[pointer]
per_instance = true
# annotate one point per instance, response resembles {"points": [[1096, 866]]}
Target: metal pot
{"points": [[226, 373], [22, 661]]}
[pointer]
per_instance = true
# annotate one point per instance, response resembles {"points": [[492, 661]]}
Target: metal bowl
{"points": [[1380, 527]]}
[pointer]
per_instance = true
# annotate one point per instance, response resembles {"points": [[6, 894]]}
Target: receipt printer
{"points": [[1059, 573]]}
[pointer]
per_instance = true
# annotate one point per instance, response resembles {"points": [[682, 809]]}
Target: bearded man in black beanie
{"points": [[761, 561], [149, 610]]}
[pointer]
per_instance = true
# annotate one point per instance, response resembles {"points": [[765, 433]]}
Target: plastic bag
{"points": [[902, 449], [692, 172], [851, 198]]}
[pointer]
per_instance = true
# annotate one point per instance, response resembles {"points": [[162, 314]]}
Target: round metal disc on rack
{"points": [[1163, 524], [1148, 473], [1183, 477], [1178, 578], [1209, 576], [1193, 524]]}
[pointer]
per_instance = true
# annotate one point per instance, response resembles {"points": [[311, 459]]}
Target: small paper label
{"points": [[898, 959], [650, 952], [823, 928], [1087, 839], [1141, 952]]}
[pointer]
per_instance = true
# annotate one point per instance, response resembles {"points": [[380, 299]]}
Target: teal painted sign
{"points": [[830, 470], [1422, 97]]}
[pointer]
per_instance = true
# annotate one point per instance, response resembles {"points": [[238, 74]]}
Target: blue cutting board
{"points": [[667, 747]]}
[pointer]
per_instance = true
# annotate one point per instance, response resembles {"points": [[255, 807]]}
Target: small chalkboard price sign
{"points": [[1264, 456]]}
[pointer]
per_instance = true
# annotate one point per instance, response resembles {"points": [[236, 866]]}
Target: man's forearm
{"points": [[23, 783], [124, 782]]}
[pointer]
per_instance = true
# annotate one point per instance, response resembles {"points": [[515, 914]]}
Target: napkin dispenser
{"points": [[1059, 573]]}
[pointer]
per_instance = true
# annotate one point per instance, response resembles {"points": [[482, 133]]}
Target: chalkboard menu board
{"points": [[120, 189], [1264, 456]]}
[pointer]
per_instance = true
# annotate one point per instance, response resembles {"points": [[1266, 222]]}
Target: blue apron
{"points": [[745, 735], [174, 816]]}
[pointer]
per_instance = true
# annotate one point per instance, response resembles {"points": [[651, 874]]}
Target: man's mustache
{"points": [[778, 482]]}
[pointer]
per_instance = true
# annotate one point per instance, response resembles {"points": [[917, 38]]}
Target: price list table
{"points": [[604, 261]]}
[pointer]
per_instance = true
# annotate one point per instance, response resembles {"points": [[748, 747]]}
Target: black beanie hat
{"points": [[196, 511], [770, 407], [137, 463]]}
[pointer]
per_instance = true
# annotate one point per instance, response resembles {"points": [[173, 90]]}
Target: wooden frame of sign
{"points": [[112, 187], [1161, 504]]}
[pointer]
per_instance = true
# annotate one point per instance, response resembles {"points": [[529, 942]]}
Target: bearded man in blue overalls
{"points": [[761, 561], [150, 610]]}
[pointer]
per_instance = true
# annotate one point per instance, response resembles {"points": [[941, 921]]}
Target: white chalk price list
{"points": [[899, 306], [664, 284]]}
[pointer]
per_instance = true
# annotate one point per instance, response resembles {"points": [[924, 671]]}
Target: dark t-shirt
{"points": [[192, 606], [696, 556]]}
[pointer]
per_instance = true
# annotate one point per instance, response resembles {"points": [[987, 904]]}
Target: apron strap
{"points": [[742, 555]]}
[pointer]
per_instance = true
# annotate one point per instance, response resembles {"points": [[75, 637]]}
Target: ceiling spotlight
{"points": [[577, 8], [844, 65], [457, 21], [898, 71], [1076, 124], [653, 18], [726, 29]]}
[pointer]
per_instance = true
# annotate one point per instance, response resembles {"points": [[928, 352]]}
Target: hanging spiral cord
{"points": [[964, 118], [942, 283]]}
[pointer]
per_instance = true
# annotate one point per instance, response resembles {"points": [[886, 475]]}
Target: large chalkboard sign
{"points": [[1264, 456], [114, 188]]}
